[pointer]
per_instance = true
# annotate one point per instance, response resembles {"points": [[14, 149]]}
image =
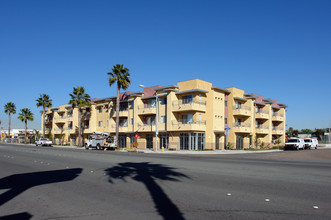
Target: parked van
{"points": [[315, 143], [311, 143], [294, 144]]}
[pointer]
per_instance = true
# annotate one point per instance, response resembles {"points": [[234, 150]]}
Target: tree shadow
{"points": [[21, 216], [19, 183], [147, 173]]}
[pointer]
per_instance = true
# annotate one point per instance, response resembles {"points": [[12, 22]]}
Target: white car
{"points": [[294, 144], [44, 142]]}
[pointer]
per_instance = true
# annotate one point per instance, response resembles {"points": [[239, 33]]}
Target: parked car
{"points": [[44, 142], [294, 144]]}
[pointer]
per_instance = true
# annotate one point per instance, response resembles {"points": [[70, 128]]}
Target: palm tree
{"points": [[10, 108], [121, 76], [45, 102], [79, 99], [25, 115]]}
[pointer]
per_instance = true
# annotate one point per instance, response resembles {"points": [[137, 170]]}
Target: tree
{"points": [[306, 130], [25, 115], [78, 100], [290, 132], [10, 108], [121, 77], [45, 102]]}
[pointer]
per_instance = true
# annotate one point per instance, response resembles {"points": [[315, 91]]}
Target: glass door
{"points": [[149, 141]]}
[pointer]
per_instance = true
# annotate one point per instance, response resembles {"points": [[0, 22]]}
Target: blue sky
{"points": [[280, 49]]}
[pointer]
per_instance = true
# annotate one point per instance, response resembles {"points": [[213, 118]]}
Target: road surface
{"points": [[55, 183]]}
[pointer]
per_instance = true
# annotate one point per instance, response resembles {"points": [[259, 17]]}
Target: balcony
{"points": [[242, 128], [192, 125], [242, 111], [146, 110], [262, 115], [189, 105], [122, 128], [58, 130], [262, 130], [60, 120], [122, 113], [277, 131], [277, 117]]}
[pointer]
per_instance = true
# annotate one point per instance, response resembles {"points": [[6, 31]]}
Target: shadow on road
{"points": [[18, 183], [20, 216], [147, 173]]}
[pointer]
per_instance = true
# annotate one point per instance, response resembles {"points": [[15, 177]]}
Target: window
{"points": [[258, 109], [200, 98], [149, 120], [69, 113], [100, 110], [200, 118], [123, 122], [226, 121], [150, 103], [187, 99], [226, 103], [187, 119], [132, 121], [238, 105], [238, 122], [163, 119], [124, 106], [163, 101], [99, 123], [131, 105], [70, 125]]}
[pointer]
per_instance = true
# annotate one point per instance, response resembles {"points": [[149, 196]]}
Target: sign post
{"points": [[227, 133]]}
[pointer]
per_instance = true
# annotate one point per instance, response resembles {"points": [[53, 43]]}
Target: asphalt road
{"points": [[53, 183]]}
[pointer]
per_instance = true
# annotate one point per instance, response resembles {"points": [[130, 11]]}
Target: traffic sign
{"points": [[227, 128]]}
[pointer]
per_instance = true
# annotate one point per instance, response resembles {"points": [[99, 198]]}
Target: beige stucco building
{"points": [[192, 115]]}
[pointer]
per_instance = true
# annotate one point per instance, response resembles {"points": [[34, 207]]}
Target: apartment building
{"points": [[191, 115]]}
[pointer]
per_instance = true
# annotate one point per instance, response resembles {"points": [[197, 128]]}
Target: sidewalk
{"points": [[205, 152]]}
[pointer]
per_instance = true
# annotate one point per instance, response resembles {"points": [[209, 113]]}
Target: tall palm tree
{"points": [[79, 99], [25, 115], [121, 77], [10, 108], [45, 102]]}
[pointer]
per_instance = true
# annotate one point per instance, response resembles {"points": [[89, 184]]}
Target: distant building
{"points": [[305, 134], [15, 133]]}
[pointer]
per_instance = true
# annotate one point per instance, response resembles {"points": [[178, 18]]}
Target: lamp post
{"points": [[156, 118]]}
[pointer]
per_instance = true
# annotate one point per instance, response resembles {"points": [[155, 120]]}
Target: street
{"points": [[56, 183]]}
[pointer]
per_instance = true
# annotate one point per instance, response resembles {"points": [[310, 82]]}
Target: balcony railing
{"points": [[277, 117], [262, 114], [146, 109], [189, 105], [277, 131], [242, 110], [242, 127], [262, 129], [188, 125]]}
